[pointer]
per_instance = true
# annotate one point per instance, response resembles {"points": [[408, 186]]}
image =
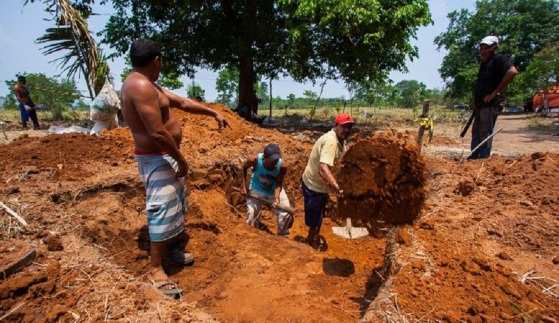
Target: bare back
{"points": [[131, 91], [22, 94]]}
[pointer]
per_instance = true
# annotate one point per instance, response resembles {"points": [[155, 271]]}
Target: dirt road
{"points": [[521, 134]]}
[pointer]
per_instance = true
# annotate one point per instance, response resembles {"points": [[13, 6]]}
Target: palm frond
{"points": [[72, 37]]}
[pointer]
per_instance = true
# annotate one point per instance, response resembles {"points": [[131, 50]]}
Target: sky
{"points": [[21, 25]]}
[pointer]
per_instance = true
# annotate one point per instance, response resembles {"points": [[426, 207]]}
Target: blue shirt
{"points": [[263, 180]]}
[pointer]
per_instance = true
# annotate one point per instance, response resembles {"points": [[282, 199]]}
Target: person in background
{"points": [[26, 106]]}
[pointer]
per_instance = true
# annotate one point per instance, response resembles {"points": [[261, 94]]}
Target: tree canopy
{"points": [[195, 91], [525, 27], [307, 39]]}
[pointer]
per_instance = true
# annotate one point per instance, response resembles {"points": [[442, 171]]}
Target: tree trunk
{"points": [[247, 95]]}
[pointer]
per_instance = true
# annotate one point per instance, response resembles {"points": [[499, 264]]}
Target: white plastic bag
{"points": [[103, 109], [106, 104]]}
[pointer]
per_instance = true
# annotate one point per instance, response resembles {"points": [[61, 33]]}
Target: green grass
{"points": [[69, 116]]}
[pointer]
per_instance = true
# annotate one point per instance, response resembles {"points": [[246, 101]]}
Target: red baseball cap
{"points": [[343, 119]]}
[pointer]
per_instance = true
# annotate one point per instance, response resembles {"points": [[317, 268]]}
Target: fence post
{"points": [[424, 114]]}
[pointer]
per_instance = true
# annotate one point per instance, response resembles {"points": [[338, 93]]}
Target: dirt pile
{"points": [[382, 179], [215, 154], [489, 253]]}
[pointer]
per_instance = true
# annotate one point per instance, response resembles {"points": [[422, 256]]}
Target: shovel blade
{"points": [[351, 232]]}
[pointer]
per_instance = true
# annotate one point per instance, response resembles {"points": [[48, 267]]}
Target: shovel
{"points": [[350, 232], [271, 205], [267, 203]]}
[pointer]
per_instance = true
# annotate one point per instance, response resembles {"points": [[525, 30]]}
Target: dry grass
{"points": [[374, 115], [13, 116], [544, 125], [548, 286], [9, 227]]}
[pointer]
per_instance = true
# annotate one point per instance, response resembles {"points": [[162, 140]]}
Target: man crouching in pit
{"points": [[162, 167], [266, 186]]}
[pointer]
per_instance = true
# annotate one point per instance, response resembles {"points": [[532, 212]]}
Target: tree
{"points": [[262, 91], [227, 86], [542, 71], [56, 95], [436, 96], [308, 39], [291, 100], [195, 91], [525, 27], [369, 92], [411, 92], [310, 95]]}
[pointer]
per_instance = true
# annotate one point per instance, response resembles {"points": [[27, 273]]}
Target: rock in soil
{"points": [[503, 256], [53, 242], [464, 188]]}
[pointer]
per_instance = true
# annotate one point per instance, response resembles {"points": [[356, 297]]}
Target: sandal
{"points": [[168, 288]]}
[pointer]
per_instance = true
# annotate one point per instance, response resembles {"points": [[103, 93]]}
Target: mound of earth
{"points": [[382, 179]]}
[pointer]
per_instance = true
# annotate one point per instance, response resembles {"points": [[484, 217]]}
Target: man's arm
{"points": [[194, 106], [250, 163], [511, 73], [328, 177], [145, 100], [327, 157]]}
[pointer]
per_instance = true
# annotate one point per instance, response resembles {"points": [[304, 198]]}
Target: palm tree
{"points": [[71, 36]]}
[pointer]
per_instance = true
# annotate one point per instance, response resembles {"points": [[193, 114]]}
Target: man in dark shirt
{"points": [[495, 73]]}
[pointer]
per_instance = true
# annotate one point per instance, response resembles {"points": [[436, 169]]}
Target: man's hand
{"points": [[221, 121], [183, 168], [488, 98], [276, 202]]}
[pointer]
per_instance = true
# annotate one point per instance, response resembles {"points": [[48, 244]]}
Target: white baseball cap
{"points": [[490, 41]]}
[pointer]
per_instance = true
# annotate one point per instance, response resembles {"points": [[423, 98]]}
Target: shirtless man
{"points": [[26, 105], [157, 138]]}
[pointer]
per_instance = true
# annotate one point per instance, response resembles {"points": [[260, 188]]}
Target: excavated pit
{"points": [[85, 192], [383, 180]]}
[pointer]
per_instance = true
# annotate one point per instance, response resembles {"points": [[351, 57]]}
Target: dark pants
{"points": [[484, 122], [26, 115], [315, 204]]}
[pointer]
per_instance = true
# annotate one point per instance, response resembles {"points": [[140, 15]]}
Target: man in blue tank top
{"points": [[266, 183]]}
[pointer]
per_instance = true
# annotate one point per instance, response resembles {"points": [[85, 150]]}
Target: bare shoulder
{"points": [[137, 87], [250, 161]]}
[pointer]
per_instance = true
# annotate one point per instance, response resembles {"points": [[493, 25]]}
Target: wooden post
{"points": [[424, 114]]}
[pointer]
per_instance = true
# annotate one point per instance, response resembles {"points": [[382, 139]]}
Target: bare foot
{"points": [[163, 284], [157, 274]]}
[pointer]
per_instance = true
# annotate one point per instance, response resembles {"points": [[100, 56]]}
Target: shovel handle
{"points": [[271, 205]]}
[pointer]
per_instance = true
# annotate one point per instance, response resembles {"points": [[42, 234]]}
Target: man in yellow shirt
{"points": [[318, 179]]}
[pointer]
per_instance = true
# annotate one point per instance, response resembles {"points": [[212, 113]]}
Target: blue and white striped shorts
{"points": [[165, 196]]}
